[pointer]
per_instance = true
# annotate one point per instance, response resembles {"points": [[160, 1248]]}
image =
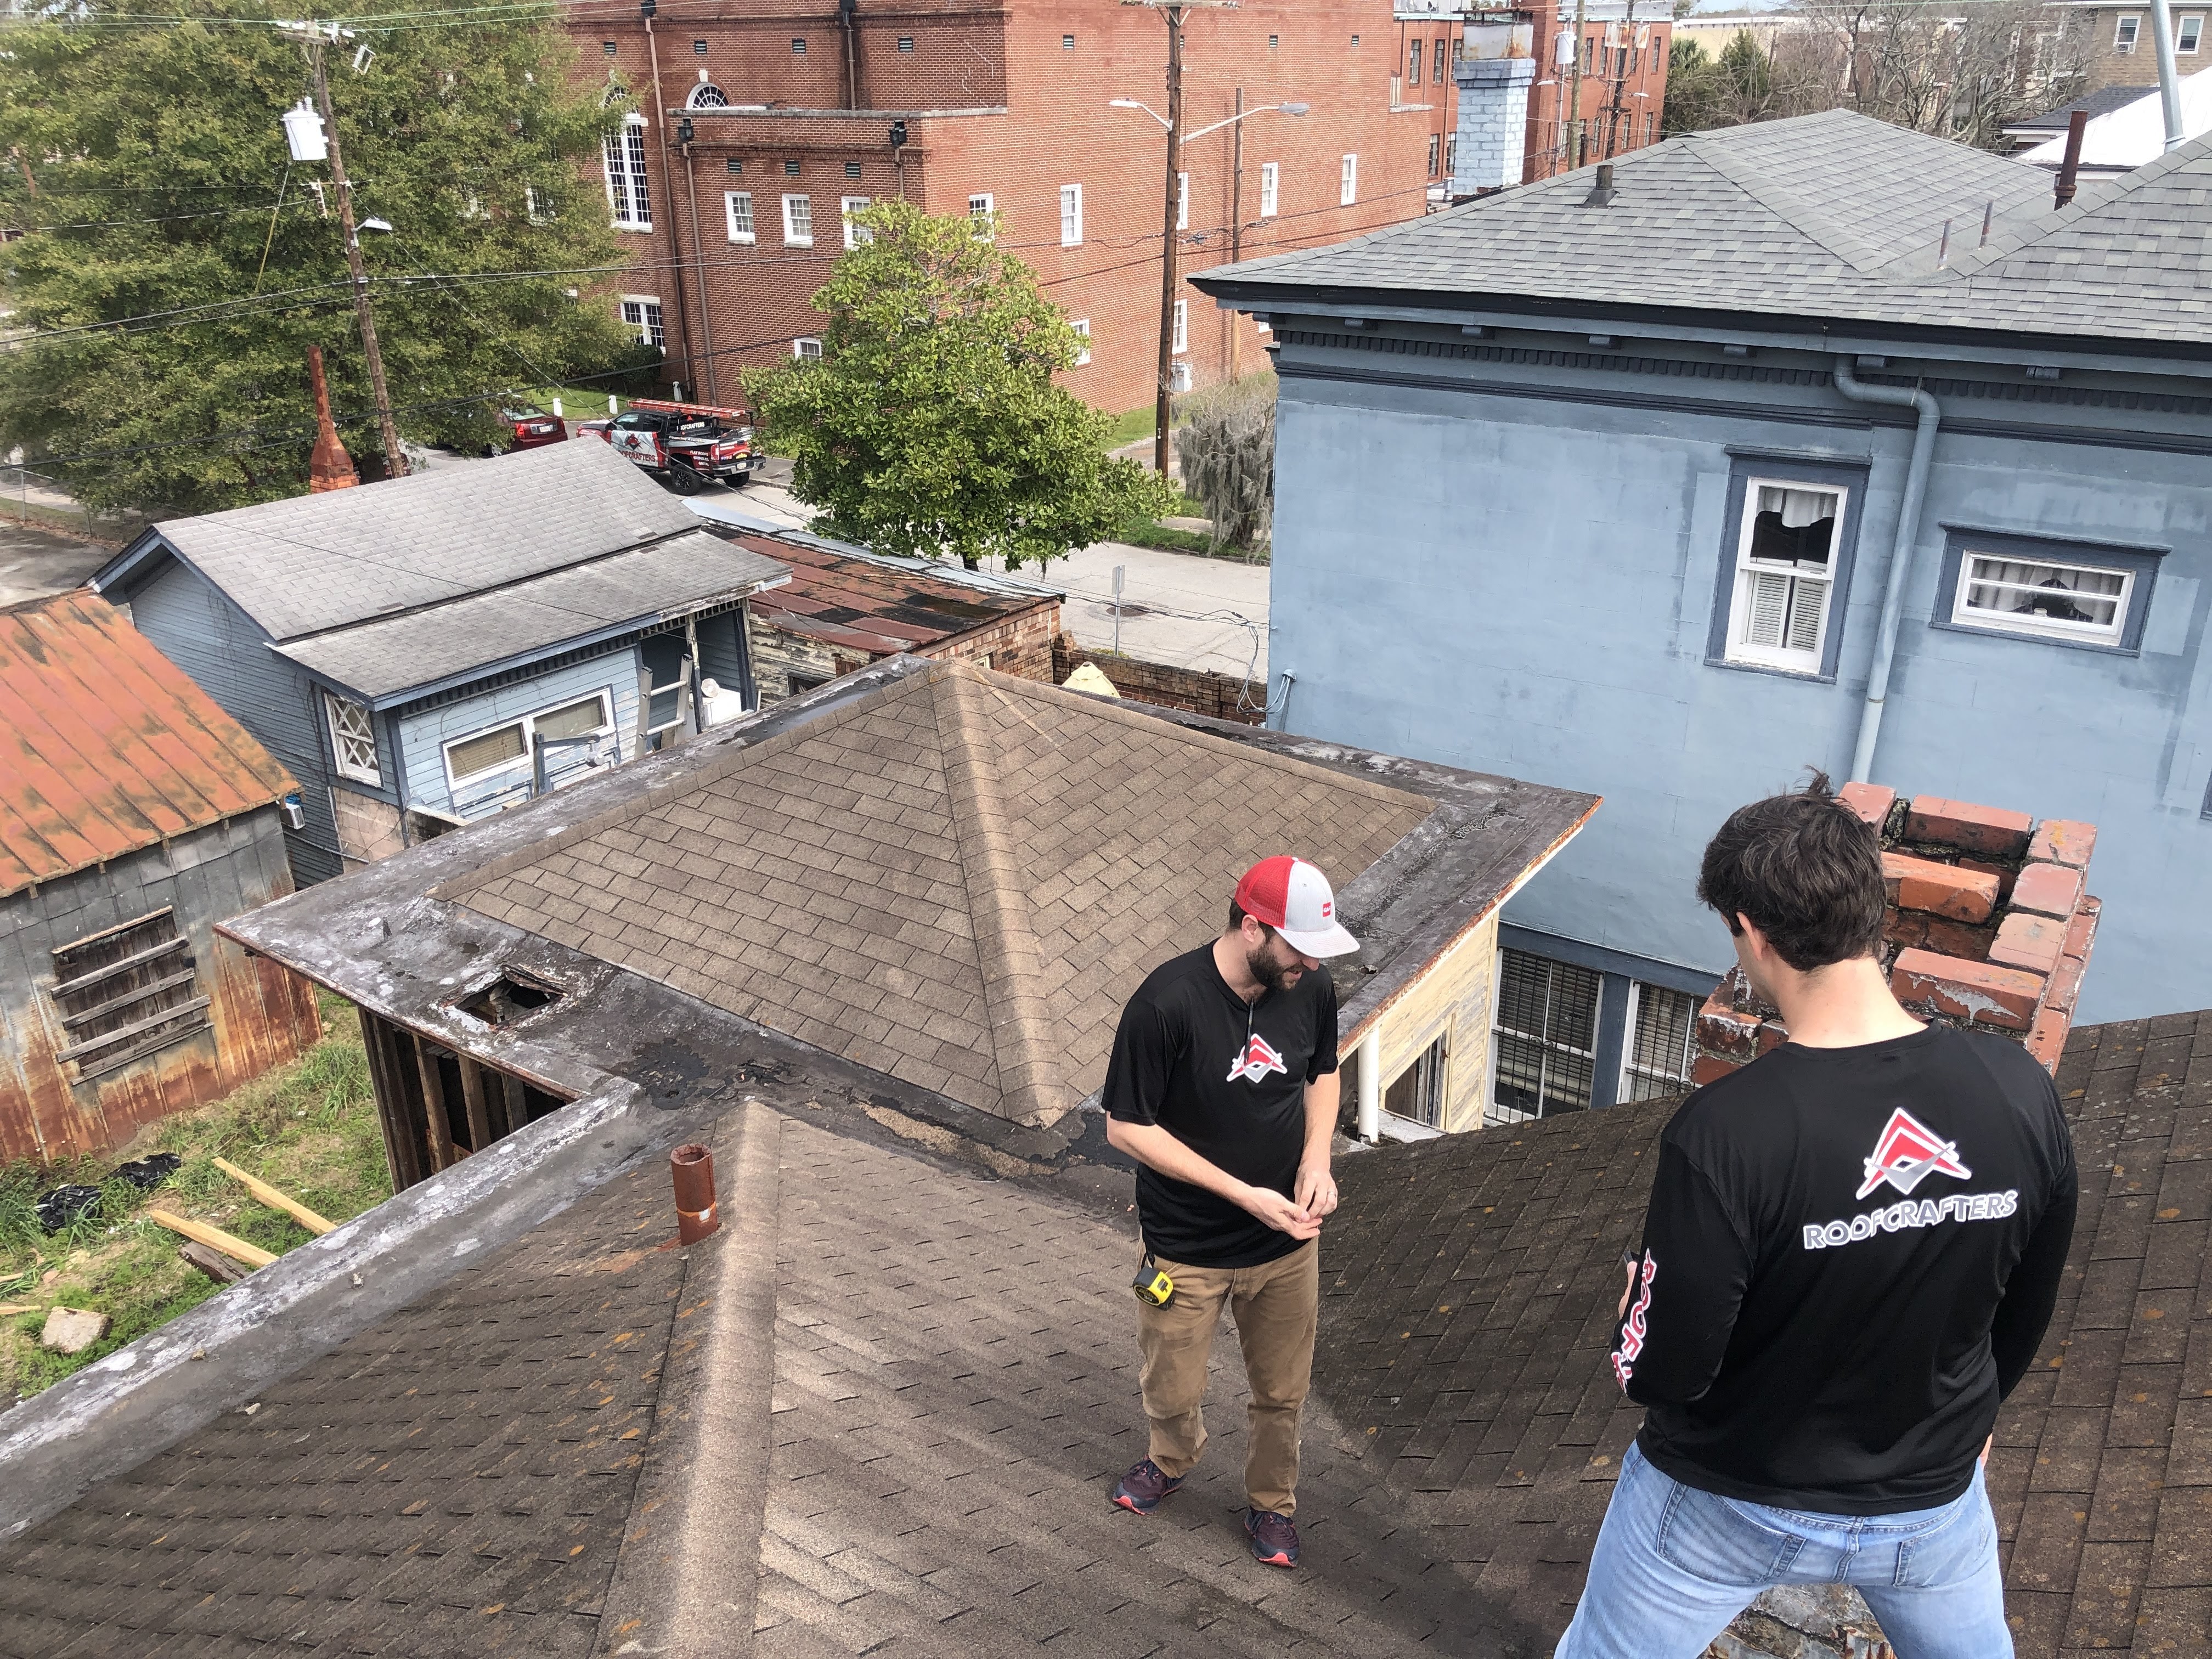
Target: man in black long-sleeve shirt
{"points": [[1851, 1251]]}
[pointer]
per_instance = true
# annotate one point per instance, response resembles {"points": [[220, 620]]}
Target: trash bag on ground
{"points": [[66, 1205], [148, 1173]]}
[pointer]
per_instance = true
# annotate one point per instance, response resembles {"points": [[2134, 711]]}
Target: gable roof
{"points": [[1466, 1320], [1833, 216], [956, 879], [105, 745]]}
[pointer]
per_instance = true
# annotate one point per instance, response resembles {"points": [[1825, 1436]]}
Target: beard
{"points": [[1275, 975]]}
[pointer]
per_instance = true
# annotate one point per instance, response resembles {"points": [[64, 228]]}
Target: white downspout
{"points": [[1900, 553], [2169, 78], [1370, 1083]]}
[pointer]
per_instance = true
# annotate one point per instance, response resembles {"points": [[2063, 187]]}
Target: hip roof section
{"points": [[105, 745], [956, 880], [1833, 215]]}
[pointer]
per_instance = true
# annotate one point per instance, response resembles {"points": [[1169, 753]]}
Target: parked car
{"points": [[528, 428], [685, 445]]}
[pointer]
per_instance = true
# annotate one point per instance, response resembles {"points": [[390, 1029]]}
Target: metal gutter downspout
{"points": [[2169, 78], [1930, 416]]}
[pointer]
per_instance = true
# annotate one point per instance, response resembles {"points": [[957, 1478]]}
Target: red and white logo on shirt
{"points": [[1908, 1153], [1257, 1059], [1633, 1329]]}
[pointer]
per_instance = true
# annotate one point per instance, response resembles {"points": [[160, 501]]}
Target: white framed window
{"points": [[1413, 60], [854, 234], [1418, 1092], [536, 205], [1182, 201], [1182, 325], [2125, 31], [629, 189], [1543, 1039], [980, 209], [1271, 189], [496, 749], [2059, 598], [1785, 574], [798, 221], [1661, 1045], [1082, 342], [1071, 216], [1451, 154], [2188, 33], [353, 739], [808, 350], [640, 314], [1347, 187], [738, 204]]}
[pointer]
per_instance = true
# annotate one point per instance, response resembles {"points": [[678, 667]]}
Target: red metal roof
{"points": [[105, 745]]}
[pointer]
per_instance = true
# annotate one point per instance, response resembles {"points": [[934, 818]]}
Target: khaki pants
{"points": [[1275, 1307]]}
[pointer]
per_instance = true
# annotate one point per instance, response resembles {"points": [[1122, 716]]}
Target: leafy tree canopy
{"points": [[146, 166], [931, 424]]}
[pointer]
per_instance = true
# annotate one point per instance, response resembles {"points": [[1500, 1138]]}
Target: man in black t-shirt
{"points": [[1223, 1086], [1851, 1253]]}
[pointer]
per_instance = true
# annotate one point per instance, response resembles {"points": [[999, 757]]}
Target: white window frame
{"points": [[1631, 1075], [1271, 189], [981, 208], [2127, 30], [1347, 186], [1182, 201], [730, 200], [1794, 660], [342, 715], [529, 725], [799, 349], [1182, 325], [1083, 333], [536, 205], [854, 234], [1071, 216], [629, 185], [793, 236], [1550, 1049], [2188, 33], [2007, 622], [645, 326]]}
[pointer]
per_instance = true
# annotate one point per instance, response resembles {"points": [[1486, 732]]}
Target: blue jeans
{"points": [[1674, 1566]]}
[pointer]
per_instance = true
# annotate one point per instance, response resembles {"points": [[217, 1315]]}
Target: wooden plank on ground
{"points": [[214, 1237], [275, 1199], [212, 1263]]}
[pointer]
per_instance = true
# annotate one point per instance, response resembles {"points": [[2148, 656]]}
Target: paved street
{"points": [[34, 562]]}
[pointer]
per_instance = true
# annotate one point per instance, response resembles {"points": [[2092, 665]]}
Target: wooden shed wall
{"points": [[261, 1014]]}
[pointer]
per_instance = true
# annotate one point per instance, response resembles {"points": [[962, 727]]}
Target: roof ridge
{"points": [[1792, 206], [1016, 1005], [2094, 196]]}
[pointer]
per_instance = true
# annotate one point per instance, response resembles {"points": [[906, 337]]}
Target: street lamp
{"points": [[1172, 123]]}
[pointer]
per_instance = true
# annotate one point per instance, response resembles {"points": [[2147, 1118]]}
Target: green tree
{"points": [[1228, 450], [1690, 89], [148, 168], [931, 424]]}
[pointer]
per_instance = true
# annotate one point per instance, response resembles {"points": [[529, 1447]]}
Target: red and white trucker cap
{"points": [[1294, 898]]}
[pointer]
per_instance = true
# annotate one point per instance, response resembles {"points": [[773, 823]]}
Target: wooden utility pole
{"points": [[395, 459], [1573, 123]]}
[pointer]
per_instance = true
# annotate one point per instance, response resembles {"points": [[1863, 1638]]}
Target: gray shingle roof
{"points": [[321, 562], [417, 647], [1832, 215], [2103, 101]]}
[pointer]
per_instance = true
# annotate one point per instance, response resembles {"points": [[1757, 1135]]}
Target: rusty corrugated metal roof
{"points": [[105, 745]]}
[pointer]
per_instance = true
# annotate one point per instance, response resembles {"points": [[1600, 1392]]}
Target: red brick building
{"points": [[1002, 109]]}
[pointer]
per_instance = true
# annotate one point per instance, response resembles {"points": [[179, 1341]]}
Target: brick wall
{"points": [[1191, 688], [1990, 925], [1033, 116], [1020, 644]]}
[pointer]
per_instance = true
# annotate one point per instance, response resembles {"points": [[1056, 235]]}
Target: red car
{"points": [[533, 428], [685, 445]]}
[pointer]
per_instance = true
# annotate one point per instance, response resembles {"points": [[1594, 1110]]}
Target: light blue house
{"points": [[1816, 442], [427, 651]]}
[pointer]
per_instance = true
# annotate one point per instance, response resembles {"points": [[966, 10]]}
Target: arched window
{"points": [[707, 95]]}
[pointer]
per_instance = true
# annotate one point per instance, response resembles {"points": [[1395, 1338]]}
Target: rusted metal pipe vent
{"points": [[1602, 194], [693, 1168]]}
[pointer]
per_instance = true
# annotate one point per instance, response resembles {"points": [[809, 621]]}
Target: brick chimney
{"points": [[330, 467], [1990, 925]]}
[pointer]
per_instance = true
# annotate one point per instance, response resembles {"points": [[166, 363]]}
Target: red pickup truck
{"points": [[685, 445]]}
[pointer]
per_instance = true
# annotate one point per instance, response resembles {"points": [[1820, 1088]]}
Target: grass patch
{"points": [[1136, 424], [309, 1127]]}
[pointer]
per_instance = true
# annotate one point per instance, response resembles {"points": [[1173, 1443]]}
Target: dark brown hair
{"points": [[1806, 869], [1237, 914]]}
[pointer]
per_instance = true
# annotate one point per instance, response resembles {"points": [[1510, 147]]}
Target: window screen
{"points": [[1660, 1049], [1546, 1039], [502, 746]]}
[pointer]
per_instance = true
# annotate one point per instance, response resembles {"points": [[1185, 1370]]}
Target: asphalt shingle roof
{"points": [[1832, 215], [958, 879]]}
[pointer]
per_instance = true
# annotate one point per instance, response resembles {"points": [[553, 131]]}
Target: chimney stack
{"points": [[330, 467], [1990, 925]]}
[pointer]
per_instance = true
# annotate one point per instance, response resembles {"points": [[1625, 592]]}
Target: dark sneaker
{"points": [[1143, 1487], [1275, 1540]]}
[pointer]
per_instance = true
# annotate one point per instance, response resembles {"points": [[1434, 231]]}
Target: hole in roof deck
{"points": [[510, 997]]}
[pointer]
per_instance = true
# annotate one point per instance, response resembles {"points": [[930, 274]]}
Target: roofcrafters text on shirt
{"points": [[1229, 1081], [1849, 1258]]}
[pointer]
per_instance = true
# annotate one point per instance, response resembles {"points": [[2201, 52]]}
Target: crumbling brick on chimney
{"points": [[1990, 925]]}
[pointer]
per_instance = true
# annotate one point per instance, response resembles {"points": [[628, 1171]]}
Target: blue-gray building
{"points": [[1815, 442], [427, 651]]}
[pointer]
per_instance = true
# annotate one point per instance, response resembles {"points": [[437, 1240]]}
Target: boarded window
{"points": [[126, 993]]}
